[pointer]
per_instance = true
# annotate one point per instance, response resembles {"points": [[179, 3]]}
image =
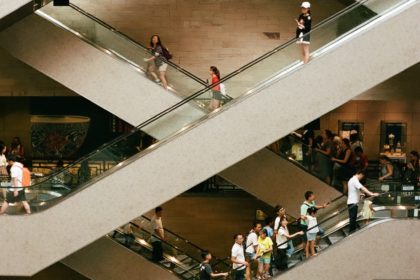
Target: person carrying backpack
{"points": [[19, 179], [160, 56]]}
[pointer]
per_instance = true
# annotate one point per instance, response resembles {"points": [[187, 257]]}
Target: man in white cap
{"points": [[304, 24]]}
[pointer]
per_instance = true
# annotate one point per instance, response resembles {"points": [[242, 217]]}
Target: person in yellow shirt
{"points": [[265, 248]]}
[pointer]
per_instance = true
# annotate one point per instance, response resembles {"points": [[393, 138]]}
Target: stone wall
{"points": [[225, 33]]}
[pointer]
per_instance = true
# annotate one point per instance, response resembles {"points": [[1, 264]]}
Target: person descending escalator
{"points": [[304, 23]]}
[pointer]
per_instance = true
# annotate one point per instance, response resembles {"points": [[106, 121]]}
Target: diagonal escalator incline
{"points": [[96, 61], [189, 154]]}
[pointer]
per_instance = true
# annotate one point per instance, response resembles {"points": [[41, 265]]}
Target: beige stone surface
{"points": [[385, 251], [18, 79], [7, 6], [181, 162], [107, 260], [102, 79], [277, 181]]}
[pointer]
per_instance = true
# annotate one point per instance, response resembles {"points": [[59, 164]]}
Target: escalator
{"points": [[181, 257], [338, 247], [96, 61], [131, 182]]}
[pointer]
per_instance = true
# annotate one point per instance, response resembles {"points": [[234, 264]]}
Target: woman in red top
{"points": [[216, 94]]}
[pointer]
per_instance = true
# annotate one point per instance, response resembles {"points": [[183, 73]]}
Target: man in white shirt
{"points": [[157, 235], [252, 246], [353, 198], [238, 257], [15, 193]]}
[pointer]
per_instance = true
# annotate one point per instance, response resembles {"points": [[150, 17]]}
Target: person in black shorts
{"points": [[304, 23], [15, 193], [206, 272]]}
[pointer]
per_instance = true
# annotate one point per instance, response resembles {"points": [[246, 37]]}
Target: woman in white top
{"points": [[282, 240], [312, 231]]}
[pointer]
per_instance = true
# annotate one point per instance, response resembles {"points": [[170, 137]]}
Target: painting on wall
{"points": [[393, 136], [57, 136], [347, 128]]}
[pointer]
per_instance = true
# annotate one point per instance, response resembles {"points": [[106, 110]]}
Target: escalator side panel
{"points": [[384, 251], [91, 73], [13, 11], [276, 181], [106, 259], [243, 128]]}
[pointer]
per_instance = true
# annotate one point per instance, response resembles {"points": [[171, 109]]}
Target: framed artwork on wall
{"points": [[347, 128], [393, 136]]}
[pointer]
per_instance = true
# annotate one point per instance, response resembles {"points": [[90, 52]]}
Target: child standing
{"points": [[312, 230], [367, 211], [265, 248], [304, 23]]}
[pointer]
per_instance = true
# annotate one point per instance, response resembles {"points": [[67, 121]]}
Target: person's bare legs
{"points": [[214, 104], [312, 247], [260, 272], [266, 269], [151, 71], [27, 207], [307, 249], [305, 52], [4, 207], [162, 76]]}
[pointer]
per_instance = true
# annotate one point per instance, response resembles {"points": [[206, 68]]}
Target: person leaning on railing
{"points": [[206, 272]]}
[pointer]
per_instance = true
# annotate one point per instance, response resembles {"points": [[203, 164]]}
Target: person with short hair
{"points": [[16, 192], [239, 264], [206, 272], [313, 230], [263, 254], [157, 235], [308, 203], [252, 246], [353, 198]]}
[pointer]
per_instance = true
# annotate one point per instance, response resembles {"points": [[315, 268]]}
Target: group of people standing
{"points": [[272, 245], [335, 160]]}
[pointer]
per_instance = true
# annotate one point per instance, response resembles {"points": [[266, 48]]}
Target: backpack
{"points": [[166, 53]]}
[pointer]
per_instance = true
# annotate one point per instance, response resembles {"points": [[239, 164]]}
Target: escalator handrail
{"points": [[333, 215], [131, 40], [165, 242], [217, 260], [207, 88], [190, 98], [139, 243], [176, 235]]}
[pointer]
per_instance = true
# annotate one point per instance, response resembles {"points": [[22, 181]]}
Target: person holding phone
{"points": [[304, 24]]}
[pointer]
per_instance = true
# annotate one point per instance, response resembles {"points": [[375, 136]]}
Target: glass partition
{"points": [[180, 256], [118, 45], [248, 79]]}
